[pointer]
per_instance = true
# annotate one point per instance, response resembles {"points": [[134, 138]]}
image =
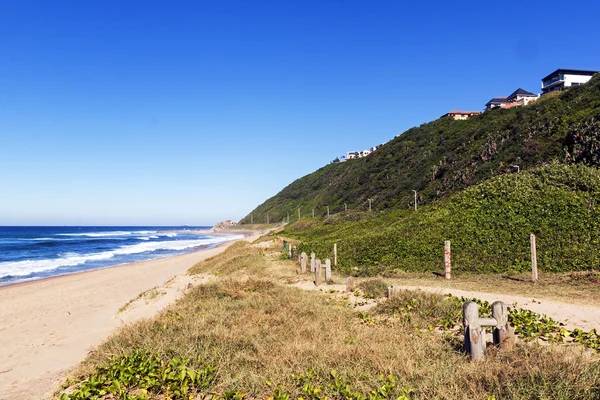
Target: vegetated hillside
{"points": [[488, 224], [446, 156]]}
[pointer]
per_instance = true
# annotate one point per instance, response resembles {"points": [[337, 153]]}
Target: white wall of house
{"points": [[576, 79]]}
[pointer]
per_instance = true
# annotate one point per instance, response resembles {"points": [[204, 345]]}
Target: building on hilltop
{"points": [[521, 97], [461, 114], [497, 102], [563, 78]]}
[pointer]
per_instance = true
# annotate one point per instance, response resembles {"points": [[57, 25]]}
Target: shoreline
{"points": [[196, 250], [47, 326]]}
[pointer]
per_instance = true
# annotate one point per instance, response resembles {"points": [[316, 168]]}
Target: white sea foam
{"points": [[108, 234], [26, 267]]}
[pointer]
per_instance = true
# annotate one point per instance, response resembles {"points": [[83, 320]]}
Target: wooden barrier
{"points": [[504, 335], [350, 284], [312, 262], [534, 272], [327, 270], [303, 259], [318, 275], [393, 291], [335, 254], [447, 260]]}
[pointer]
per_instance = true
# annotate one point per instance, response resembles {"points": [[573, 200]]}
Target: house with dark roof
{"points": [[521, 97], [461, 114], [563, 78], [496, 102]]}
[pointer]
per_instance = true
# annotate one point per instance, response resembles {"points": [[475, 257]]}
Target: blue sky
{"points": [[190, 112]]}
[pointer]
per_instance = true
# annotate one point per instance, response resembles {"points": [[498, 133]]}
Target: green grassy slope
{"points": [[446, 156], [488, 224]]}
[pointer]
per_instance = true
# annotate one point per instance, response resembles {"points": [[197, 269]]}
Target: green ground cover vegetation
{"points": [[488, 225]]}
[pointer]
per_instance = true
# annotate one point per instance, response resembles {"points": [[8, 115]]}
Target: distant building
{"points": [[497, 102], [461, 114], [352, 155], [521, 97], [563, 78]]}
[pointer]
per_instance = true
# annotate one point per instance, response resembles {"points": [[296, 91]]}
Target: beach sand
{"points": [[48, 326]]}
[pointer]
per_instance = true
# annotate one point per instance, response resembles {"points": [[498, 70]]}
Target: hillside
{"points": [[445, 156], [488, 225]]}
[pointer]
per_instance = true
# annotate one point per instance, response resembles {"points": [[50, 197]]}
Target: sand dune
{"points": [[48, 326]]}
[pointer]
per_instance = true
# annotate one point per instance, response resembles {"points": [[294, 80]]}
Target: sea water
{"points": [[29, 253]]}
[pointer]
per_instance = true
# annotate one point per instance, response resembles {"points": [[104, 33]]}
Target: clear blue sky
{"points": [[175, 112]]}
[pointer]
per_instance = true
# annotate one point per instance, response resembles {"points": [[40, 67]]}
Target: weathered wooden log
{"points": [[318, 275], [335, 254], [393, 291], [303, 260], [504, 334], [474, 334], [350, 284], [327, 270], [447, 260], [312, 262], [534, 271]]}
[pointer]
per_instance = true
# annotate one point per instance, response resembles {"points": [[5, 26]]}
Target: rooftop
{"points": [[520, 92]]}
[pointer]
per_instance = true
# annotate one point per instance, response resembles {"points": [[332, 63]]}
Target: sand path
{"points": [[47, 327], [574, 316]]}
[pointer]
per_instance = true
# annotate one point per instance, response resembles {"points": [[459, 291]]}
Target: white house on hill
{"points": [[563, 78]]}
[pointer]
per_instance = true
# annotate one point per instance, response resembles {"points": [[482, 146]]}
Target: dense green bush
{"points": [[489, 227]]}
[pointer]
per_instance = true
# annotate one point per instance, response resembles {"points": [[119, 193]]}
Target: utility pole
{"points": [[328, 211], [369, 204], [415, 199]]}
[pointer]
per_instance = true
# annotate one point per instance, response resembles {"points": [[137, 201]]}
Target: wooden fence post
{"points": [[447, 260], [350, 284], [318, 278], [534, 271], [312, 262], [504, 334], [303, 262], [474, 333], [393, 291], [335, 254], [327, 270]]}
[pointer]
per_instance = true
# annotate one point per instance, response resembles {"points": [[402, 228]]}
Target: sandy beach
{"points": [[48, 326]]}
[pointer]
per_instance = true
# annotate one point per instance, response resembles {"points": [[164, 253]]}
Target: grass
{"points": [[146, 294], [575, 288], [263, 339]]}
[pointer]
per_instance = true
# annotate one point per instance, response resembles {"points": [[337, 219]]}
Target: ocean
{"points": [[29, 253]]}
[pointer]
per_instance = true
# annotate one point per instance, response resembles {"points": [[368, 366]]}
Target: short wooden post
{"points": [[289, 251], [393, 291], [318, 278], [447, 260], [504, 334], [313, 212], [303, 260], [350, 284], [312, 262], [335, 254], [327, 211], [474, 333], [534, 271], [327, 270]]}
